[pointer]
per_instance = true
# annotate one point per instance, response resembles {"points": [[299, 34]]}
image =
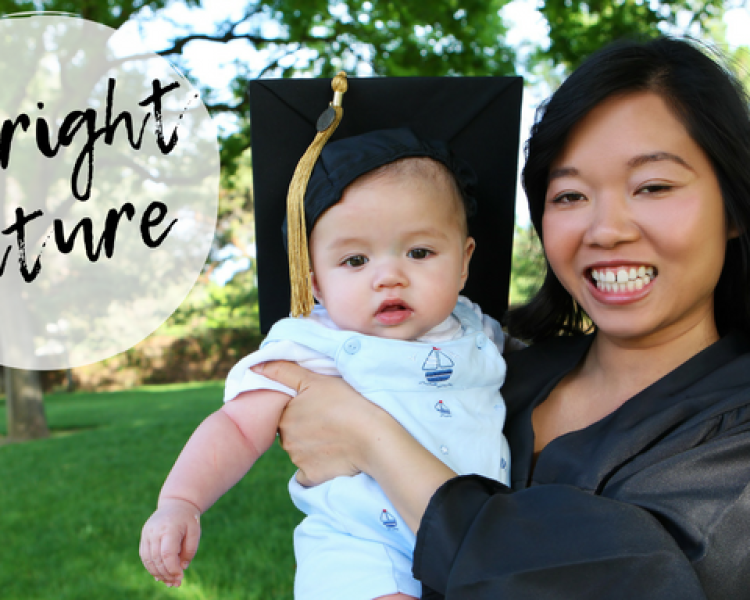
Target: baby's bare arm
{"points": [[215, 457]]}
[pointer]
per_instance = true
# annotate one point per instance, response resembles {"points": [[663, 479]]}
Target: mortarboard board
{"points": [[478, 117]]}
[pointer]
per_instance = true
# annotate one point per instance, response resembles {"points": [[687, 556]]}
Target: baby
{"points": [[390, 254]]}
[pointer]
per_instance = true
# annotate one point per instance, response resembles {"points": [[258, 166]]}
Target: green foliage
{"points": [[371, 37], [234, 221], [529, 265], [108, 12], [578, 27], [214, 306], [444, 37], [741, 66], [72, 517]]}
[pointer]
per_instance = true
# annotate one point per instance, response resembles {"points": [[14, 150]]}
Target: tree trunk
{"points": [[24, 405]]}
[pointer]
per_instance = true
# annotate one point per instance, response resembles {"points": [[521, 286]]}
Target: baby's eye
{"points": [[419, 253], [354, 261]]}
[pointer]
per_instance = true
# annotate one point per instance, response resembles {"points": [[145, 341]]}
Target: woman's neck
{"points": [[625, 367], [613, 371]]}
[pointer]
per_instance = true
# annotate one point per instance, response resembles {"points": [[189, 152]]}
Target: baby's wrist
{"points": [[177, 502]]}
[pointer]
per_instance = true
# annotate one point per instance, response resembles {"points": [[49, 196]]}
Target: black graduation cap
{"points": [[479, 118]]}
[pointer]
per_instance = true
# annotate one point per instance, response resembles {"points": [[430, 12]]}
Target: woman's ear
{"points": [[734, 231]]}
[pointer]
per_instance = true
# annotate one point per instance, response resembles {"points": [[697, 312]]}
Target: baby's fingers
{"points": [[169, 555], [145, 552], [152, 559], [190, 544]]}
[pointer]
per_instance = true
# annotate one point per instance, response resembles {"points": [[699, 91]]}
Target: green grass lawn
{"points": [[72, 506]]}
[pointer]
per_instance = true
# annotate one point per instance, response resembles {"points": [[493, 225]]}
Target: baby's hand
{"points": [[169, 540]]}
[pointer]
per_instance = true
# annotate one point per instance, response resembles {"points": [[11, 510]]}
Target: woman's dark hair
{"points": [[712, 106]]}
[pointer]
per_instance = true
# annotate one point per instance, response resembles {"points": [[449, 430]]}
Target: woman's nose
{"points": [[611, 222]]}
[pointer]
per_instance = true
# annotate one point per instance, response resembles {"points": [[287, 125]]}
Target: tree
{"points": [[24, 405], [24, 400]]}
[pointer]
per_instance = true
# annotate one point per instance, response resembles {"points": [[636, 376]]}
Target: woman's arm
{"points": [[480, 540], [673, 523], [330, 430]]}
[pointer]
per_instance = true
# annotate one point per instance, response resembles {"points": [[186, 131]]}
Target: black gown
{"points": [[651, 502]]}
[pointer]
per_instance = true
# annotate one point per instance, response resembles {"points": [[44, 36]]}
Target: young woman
{"points": [[631, 445]]}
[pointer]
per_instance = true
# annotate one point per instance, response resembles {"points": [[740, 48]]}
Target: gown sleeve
{"points": [[478, 540], [674, 528]]}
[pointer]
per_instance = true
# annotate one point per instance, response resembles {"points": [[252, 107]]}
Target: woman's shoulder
{"points": [[721, 372], [560, 353], [536, 368], [723, 366]]}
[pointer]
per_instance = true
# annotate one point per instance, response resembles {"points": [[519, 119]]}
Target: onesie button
{"points": [[444, 449], [352, 346], [481, 340]]}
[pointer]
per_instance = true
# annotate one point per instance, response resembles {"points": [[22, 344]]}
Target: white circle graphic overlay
{"points": [[109, 183]]}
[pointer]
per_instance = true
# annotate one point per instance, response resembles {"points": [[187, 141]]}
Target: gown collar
{"points": [[587, 457]]}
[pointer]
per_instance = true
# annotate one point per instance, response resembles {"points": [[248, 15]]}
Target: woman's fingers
{"points": [[321, 429], [287, 373], [303, 479]]}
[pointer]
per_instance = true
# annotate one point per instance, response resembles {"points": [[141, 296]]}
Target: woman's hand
{"points": [[325, 428], [330, 430]]}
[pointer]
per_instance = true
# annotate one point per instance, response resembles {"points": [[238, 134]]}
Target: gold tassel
{"points": [[299, 259]]}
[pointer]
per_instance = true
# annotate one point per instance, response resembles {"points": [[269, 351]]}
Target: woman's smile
{"points": [[621, 284]]}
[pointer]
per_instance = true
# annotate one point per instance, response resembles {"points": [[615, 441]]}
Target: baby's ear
{"points": [[469, 246], [315, 289]]}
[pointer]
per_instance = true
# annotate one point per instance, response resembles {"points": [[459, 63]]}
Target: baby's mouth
{"points": [[622, 279], [392, 306], [392, 312]]}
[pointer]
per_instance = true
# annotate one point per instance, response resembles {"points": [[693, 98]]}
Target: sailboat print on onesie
{"points": [[388, 520], [442, 409], [438, 367]]}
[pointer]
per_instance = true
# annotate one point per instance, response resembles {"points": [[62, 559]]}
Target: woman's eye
{"points": [[354, 261], [567, 198], [654, 188], [419, 253]]}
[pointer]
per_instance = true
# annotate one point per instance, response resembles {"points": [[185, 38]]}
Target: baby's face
{"points": [[391, 257]]}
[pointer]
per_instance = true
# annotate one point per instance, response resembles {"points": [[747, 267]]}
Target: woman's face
{"points": [[634, 224]]}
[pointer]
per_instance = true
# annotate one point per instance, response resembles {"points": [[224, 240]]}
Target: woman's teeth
{"points": [[624, 279]]}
